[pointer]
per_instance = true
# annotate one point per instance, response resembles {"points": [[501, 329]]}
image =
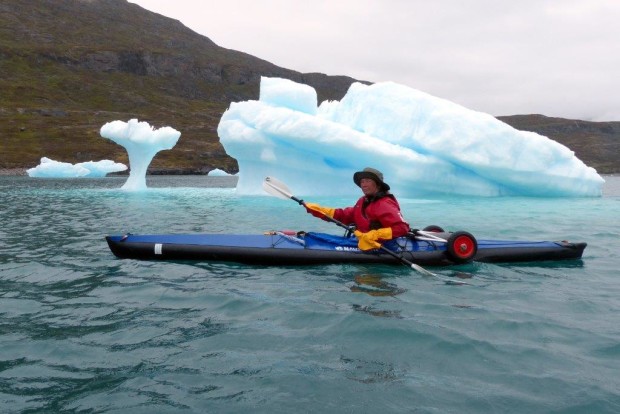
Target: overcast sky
{"points": [[504, 57]]}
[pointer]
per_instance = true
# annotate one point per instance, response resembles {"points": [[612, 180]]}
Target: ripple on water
{"points": [[84, 331]]}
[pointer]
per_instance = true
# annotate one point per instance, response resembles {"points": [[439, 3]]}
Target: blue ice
{"points": [[423, 144], [142, 143], [49, 168]]}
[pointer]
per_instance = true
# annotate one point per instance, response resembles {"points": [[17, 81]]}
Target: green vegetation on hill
{"points": [[69, 66]]}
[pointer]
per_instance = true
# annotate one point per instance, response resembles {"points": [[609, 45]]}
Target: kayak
{"points": [[301, 248]]}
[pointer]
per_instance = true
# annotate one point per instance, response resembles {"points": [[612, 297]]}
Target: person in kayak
{"points": [[376, 215]]}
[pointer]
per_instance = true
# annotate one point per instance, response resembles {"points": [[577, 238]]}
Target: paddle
{"points": [[277, 188]]}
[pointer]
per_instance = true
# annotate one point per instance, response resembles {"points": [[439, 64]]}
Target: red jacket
{"points": [[375, 213]]}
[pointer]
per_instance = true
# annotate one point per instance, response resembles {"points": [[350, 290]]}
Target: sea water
{"points": [[83, 331]]}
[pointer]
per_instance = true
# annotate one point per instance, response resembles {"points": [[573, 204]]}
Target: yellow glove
{"points": [[319, 211], [368, 241]]}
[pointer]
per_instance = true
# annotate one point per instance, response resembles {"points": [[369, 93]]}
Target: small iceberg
{"points": [[218, 173], [142, 143], [49, 168]]}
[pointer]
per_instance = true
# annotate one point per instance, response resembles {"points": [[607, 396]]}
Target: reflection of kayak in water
{"points": [[374, 285], [289, 248]]}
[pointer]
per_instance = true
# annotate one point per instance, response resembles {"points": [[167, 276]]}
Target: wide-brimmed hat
{"points": [[373, 174]]}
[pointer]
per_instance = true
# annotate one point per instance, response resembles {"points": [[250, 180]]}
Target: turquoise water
{"points": [[82, 331]]}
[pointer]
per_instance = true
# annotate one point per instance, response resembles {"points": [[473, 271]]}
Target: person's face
{"points": [[369, 186]]}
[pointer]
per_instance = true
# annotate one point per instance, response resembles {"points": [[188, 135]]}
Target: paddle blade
{"points": [[276, 188], [447, 281], [422, 270]]}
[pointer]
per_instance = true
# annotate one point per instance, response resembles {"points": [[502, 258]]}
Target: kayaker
{"points": [[376, 215]]}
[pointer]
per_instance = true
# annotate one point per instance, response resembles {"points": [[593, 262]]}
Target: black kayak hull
{"points": [[280, 249]]}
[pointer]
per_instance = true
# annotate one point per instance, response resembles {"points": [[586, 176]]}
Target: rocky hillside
{"points": [[69, 66]]}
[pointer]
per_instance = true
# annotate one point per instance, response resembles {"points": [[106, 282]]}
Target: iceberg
{"points": [[142, 143], [218, 173], [102, 168], [424, 145], [49, 168]]}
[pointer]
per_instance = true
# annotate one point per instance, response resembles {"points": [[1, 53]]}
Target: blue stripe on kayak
{"points": [[228, 240]]}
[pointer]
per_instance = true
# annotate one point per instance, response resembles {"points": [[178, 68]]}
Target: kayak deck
{"points": [[277, 248]]}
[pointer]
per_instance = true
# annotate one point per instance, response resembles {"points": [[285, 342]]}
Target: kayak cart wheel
{"points": [[462, 247], [433, 229]]}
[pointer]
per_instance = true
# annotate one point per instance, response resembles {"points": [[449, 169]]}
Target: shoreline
{"points": [[23, 172], [14, 171]]}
